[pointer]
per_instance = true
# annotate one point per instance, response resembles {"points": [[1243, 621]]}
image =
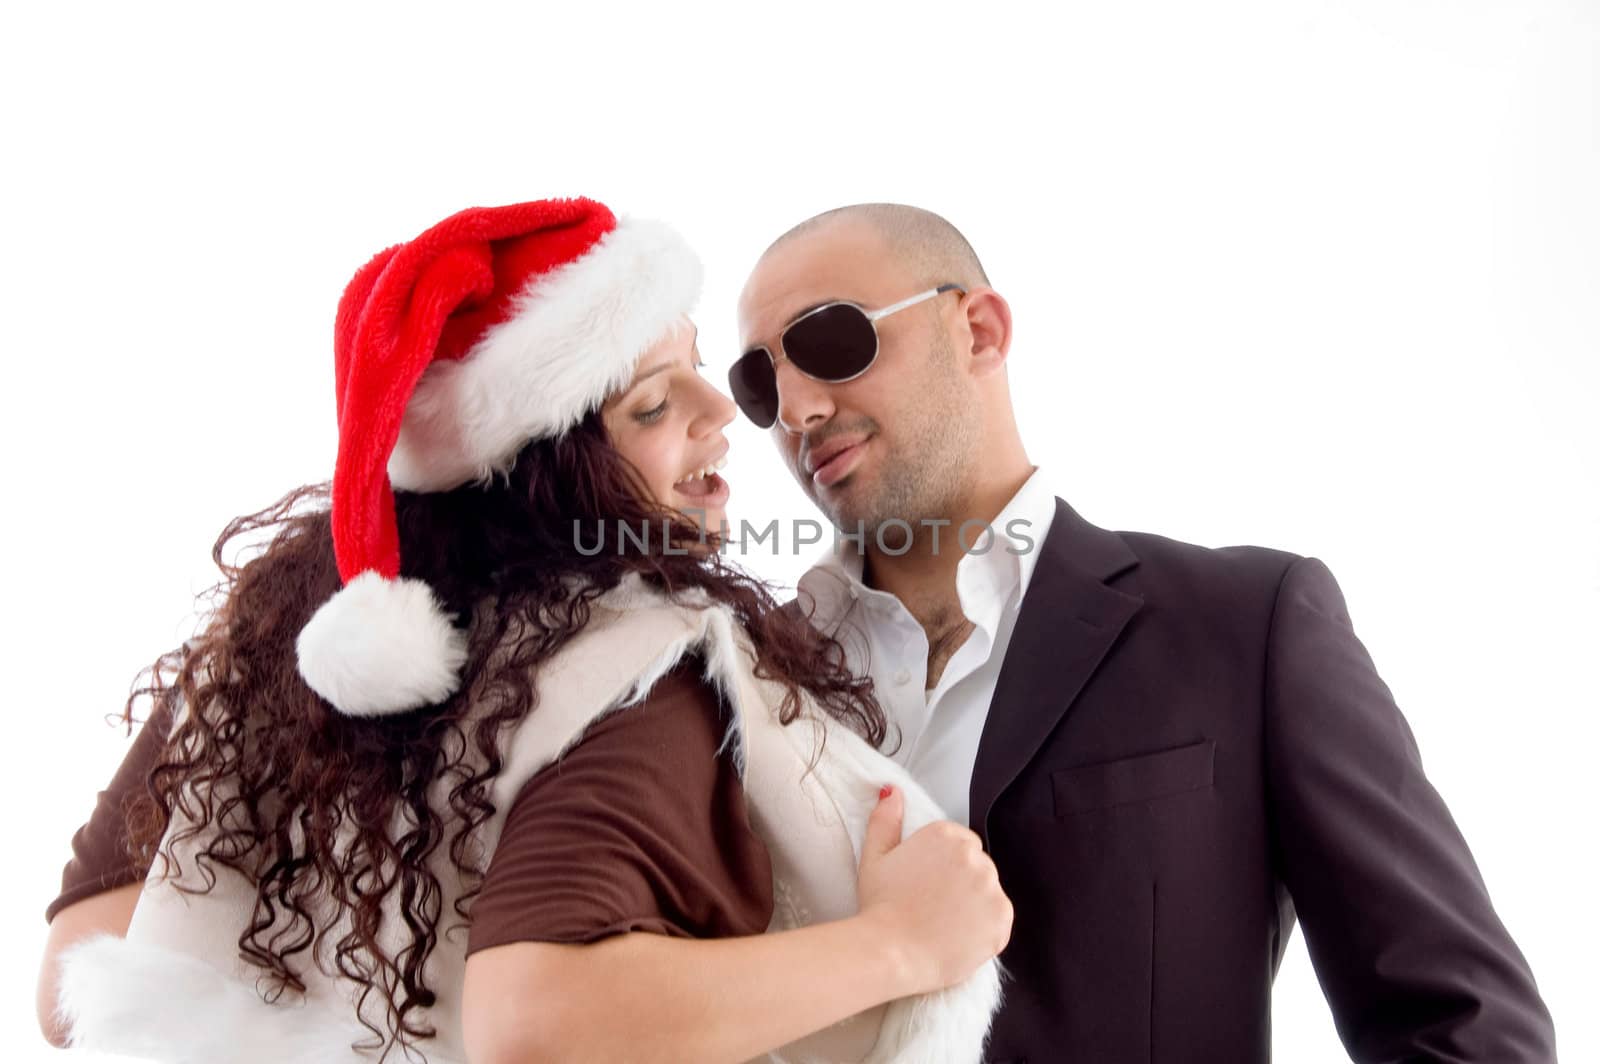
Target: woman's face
{"points": [[668, 422]]}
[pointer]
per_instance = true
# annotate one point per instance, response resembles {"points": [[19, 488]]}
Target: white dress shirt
{"points": [[939, 728]]}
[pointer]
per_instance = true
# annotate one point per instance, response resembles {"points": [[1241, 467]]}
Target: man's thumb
{"points": [[883, 826]]}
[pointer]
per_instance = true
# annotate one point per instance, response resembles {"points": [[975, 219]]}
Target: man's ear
{"points": [[989, 323]]}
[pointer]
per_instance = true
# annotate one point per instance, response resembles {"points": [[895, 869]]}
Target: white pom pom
{"points": [[381, 646]]}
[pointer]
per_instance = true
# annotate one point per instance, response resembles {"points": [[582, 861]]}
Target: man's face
{"points": [[899, 440]]}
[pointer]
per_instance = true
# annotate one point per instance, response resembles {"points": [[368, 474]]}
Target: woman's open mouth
{"points": [[705, 486]]}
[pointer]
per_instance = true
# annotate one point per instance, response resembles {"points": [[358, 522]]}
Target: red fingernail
{"points": [[884, 792]]}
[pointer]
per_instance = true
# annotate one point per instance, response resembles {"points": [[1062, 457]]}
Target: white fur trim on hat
{"points": [[574, 338], [381, 646]]}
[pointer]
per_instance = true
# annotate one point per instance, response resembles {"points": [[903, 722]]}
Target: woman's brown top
{"points": [[641, 826]]}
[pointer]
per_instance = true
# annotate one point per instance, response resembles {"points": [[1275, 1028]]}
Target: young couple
{"points": [[435, 777]]}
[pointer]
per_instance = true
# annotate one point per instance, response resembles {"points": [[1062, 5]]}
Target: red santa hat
{"points": [[495, 327]]}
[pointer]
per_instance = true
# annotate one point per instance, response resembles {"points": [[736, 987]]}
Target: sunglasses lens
{"points": [[833, 344], [755, 387]]}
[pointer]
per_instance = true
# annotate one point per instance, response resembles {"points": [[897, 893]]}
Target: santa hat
{"points": [[495, 327]]}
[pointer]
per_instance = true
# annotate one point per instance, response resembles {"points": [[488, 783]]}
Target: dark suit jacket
{"points": [[1187, 747]]}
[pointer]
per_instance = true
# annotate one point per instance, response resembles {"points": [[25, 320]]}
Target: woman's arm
{"points": [[107, 913], [931, 913], [647, 997], [100, 884]]}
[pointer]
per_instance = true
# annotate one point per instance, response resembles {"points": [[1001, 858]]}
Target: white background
{"points": [[1320, 276]]}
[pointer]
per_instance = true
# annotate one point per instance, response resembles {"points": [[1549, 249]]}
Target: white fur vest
{"points": [[176, 990]]}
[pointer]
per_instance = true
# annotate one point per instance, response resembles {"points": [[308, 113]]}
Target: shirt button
{"points": [[902, 678]]}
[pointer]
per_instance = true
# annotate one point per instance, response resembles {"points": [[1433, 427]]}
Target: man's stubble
{"points": [[926, 468]]}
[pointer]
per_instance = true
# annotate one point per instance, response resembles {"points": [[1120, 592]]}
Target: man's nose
{"points": [[803, 403]]}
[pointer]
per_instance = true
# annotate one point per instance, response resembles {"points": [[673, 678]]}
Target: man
{"points": [[1169, 751]]}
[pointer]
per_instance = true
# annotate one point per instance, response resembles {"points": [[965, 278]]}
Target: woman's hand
{"points": [[936, 896]]}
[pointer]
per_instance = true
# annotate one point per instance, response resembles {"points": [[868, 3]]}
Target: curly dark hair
{"points": [[266, 774]]}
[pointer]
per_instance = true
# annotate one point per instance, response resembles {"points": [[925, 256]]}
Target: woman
{"points": [[443, 775]]}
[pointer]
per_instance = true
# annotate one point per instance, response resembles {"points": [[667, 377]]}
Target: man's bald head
{"points": [[933, 250]]}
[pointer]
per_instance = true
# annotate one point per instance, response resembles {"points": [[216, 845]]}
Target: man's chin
{"points": [[833, 499], [844, 508]]}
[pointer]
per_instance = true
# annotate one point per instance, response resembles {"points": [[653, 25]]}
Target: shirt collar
{"points": [[994, 575], [1026, 520], [832, 585]]}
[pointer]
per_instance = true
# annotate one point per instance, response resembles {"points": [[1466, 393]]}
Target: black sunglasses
{"points": [[833, 343]]}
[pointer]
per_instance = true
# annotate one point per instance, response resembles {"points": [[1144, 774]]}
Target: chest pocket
{"points": [[1130, 780]]}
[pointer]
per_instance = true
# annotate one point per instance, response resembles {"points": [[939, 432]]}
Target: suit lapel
{"points": [[1068, 622]]}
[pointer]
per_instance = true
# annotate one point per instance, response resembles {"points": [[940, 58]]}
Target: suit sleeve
{"points": [[1409, 951]]}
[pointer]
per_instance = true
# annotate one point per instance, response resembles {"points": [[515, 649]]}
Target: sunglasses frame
{"points": [[872, 316]]}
